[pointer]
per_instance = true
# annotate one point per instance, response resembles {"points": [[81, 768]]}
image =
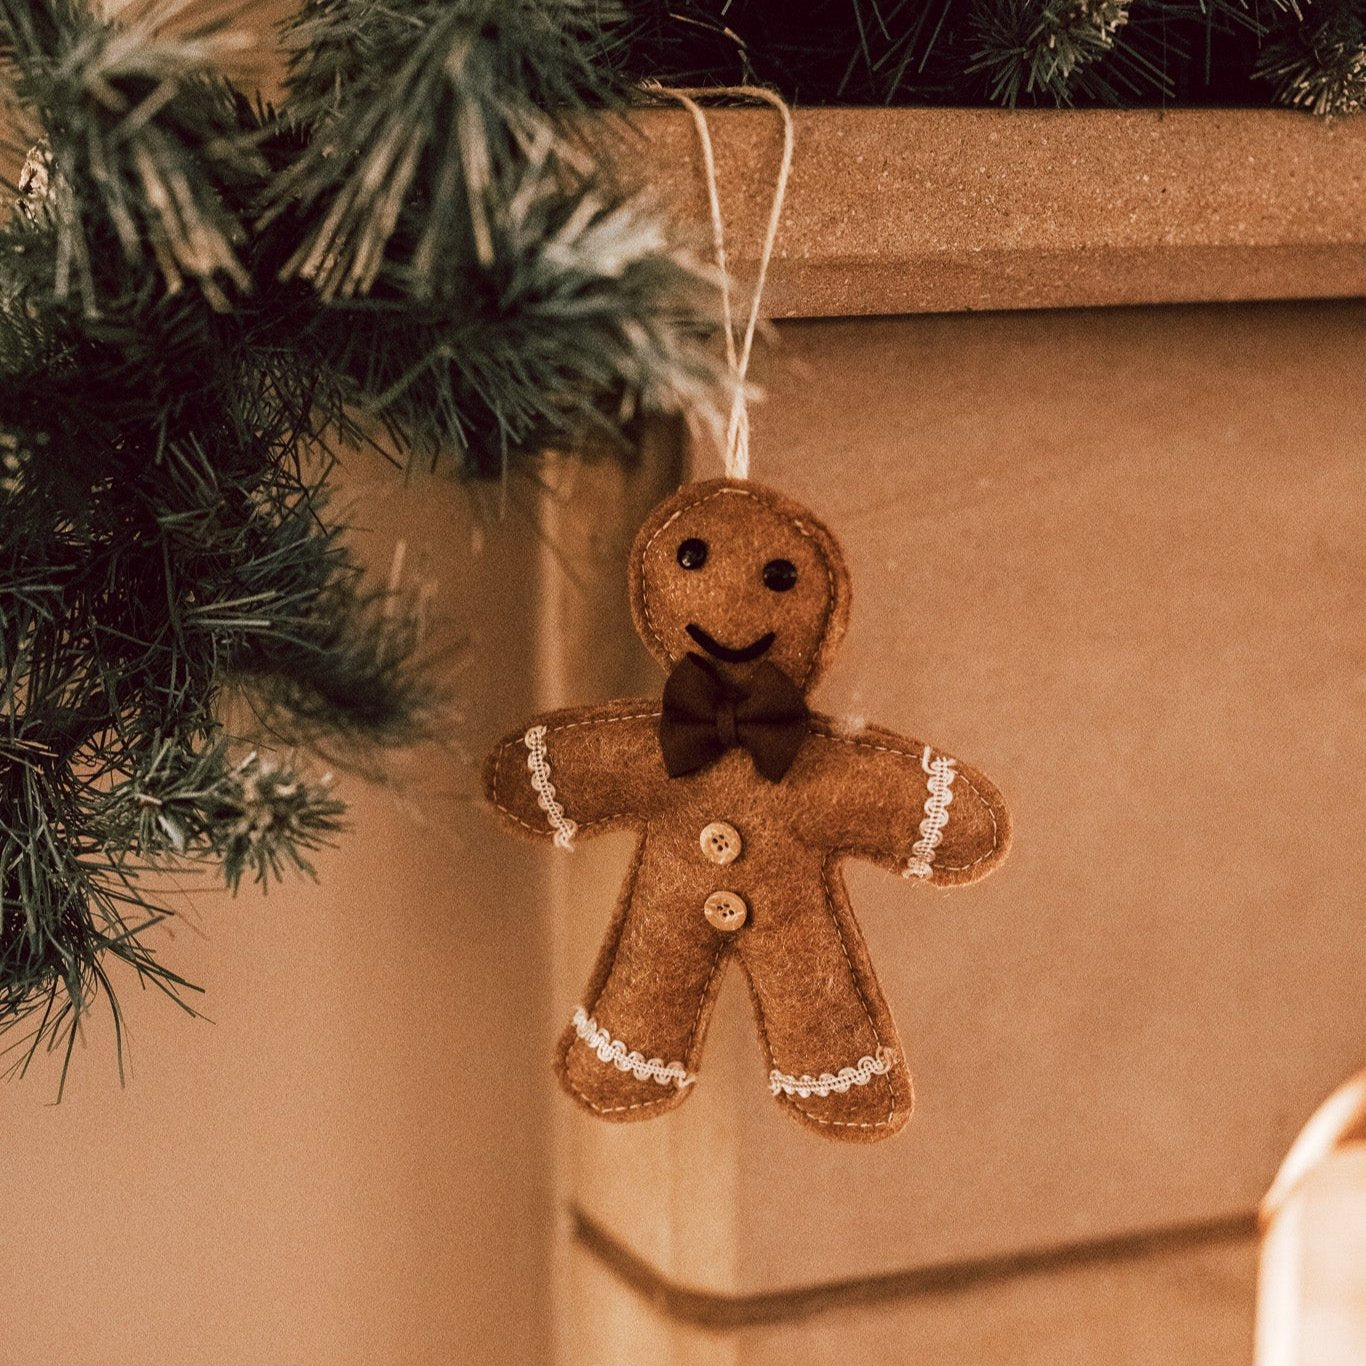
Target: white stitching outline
{"points": [[858, 987], [613, 1051], [861, 1075], [618, 929], [941, 775], [818, 728], [538, 764], [554, 730]]}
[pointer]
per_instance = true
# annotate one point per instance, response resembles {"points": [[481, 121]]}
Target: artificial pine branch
{"points": [[194, 293], [1318, 62], [484, 288], [416, 115], [956, 52], [145, 136], [586, 316], [1025, 48], [253, 814]]}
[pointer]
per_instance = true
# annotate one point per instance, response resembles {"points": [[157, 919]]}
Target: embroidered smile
{"points": [[725, 652]]}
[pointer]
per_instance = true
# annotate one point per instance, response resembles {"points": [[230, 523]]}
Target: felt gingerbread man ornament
{"points": [[746, 805]]}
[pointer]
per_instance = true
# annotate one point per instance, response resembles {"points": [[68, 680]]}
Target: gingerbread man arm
{"points": [[900, 803], [580, 771]]}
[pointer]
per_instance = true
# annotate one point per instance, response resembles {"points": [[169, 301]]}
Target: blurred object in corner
{"points": [[1311, 1297]]}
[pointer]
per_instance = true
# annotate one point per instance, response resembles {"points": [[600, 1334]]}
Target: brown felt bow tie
{"points": [[705, 715]]}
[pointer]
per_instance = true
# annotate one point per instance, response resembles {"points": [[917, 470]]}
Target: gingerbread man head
{"points": [[739, 574]]}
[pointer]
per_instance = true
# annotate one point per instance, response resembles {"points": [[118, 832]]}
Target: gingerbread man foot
{"points": [[746, 805], [835, 1062], [632, 1049]]}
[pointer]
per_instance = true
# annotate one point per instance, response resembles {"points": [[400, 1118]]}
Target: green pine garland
{"points": [[1051, 49], [1304, 53], [1318, 61], [572, 311], [199, 299]]}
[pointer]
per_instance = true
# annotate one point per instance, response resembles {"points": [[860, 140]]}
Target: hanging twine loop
{"points": [[738, 357]]}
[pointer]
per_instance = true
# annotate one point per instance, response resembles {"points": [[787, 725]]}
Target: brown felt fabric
{"points": [[744, 526], [847, 794]]}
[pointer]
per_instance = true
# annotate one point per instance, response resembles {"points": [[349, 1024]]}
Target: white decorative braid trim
{"points": [[539, 764], [613, 1051], [868, 1068], [942, 773]]}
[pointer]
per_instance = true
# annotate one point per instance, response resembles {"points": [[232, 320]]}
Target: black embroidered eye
{"points": [[692, 554], [780, 575]]}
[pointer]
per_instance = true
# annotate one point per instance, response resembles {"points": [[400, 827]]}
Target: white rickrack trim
{"points": [[942, 773], [539, 764], [613, 1051], [780, 1083]]}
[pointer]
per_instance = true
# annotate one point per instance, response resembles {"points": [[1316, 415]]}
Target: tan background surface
{"points": [[1159, 514], [1154, 654], [1192, 1309], [1113, 557], [349, 1165]]}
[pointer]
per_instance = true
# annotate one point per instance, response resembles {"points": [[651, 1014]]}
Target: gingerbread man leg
{"points": [[835, 1060], [631, 1050]]}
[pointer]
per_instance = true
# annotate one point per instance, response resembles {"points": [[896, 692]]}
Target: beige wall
{"points": [[1160, 513], [350, 1164], [1114, 558], [1151, 647]]}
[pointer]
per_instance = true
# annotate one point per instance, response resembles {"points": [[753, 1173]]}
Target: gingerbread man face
{"points": [[739, 575], [746, 805]]}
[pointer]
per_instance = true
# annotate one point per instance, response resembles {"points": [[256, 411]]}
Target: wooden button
{"points": [[725, 911], [721, 843]]}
